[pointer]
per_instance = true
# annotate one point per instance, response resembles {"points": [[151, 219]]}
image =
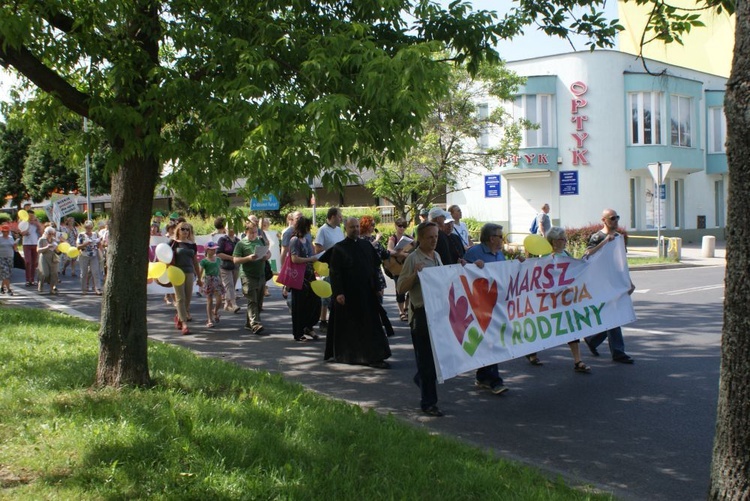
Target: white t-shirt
{"points": [[328, 236], [33, 237], [462, 231]]}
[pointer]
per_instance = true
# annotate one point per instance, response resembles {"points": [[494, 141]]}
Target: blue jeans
{"points": [[614, 337], [426, 377]]}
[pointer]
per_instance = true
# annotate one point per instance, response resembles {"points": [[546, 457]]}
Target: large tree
{"points": [[450, 144]]}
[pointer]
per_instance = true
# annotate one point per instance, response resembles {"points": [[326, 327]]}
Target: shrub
{"points": [[578, 238]]}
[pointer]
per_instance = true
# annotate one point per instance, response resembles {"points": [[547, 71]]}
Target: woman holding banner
{"points": [[557, 239]]}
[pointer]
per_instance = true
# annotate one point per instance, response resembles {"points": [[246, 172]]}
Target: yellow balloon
{"points": [[23, 215], [537, 245], [155, 270], [276, 281], [321, 269], [63, 247], [72, 253], [321, 288], [63, 236], [176, 275]]}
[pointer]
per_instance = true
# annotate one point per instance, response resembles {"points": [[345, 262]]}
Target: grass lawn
{"points": [[643, 260], [212, 430]]}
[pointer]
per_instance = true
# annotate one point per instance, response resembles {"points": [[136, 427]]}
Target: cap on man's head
{"points": [[436, 212], [5, 227], [449, 219], [174, 215], [211, 245], [159, 214], [424, 212]]}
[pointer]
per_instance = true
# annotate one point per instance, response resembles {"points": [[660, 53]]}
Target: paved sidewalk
{"points": [[472, 414]]}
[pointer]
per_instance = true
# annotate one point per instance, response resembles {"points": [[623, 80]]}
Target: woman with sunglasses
{"points": [[186, 258], [397, 260]]}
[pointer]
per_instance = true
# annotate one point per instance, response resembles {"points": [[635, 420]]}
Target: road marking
{"points": [[693, 289], [646, 331], [641, 291]]}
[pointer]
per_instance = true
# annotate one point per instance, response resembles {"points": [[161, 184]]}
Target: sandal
{"points": [[300, 339], [311, 333], [581, 367], [209, 324], [404, 317]]}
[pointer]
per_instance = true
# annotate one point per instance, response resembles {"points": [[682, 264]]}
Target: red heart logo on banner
{"points": [[482, 298], [459, 315]]}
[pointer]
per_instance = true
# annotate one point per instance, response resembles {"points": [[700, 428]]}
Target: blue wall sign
{"points": [[568, 182], [492, 186]]}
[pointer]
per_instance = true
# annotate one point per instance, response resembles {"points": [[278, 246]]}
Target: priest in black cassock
{"points": [[355, 330]]}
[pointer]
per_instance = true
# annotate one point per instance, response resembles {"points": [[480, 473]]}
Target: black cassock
{"points": [[355, 330]]}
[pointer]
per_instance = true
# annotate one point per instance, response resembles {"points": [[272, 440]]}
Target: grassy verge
{"points": [[211, 430], [643, 260]]}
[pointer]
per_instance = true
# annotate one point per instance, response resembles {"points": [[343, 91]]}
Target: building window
{"points": [[719, 203], [483, 114], [537, 109], [717, 130], [681, 121], [645, 112], [633, 202]]}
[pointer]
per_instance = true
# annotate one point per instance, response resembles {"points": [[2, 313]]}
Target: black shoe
{"points": [[593, 350], [433, 411], [380, 365], [323, 324], [624, 359]]}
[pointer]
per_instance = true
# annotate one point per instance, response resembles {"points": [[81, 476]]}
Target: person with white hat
{"points": [[438, 216]]}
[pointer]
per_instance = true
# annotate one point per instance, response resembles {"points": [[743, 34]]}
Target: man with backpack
{"points": [[542, 222]]}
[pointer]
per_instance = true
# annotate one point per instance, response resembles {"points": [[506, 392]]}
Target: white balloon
{"points": [[164, 279], [164, 253], [23, 225]]}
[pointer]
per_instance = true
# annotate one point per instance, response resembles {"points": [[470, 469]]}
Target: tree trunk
{"points": [[123, 337], [730, 471]]}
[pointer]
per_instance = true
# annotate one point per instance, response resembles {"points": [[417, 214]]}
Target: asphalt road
{"points": [[641, 431]]}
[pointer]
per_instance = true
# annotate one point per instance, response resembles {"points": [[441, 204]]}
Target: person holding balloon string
{"points": [[49, 259], [88, 244], [185, 253], [70, 234], [31, 229], [213, 288], [169, 231]]}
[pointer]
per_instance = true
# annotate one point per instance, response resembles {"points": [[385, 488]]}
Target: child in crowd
{"points": [[212, 286]]}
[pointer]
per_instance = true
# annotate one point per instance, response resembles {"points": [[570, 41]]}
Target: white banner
{"points": [[509, 309]]}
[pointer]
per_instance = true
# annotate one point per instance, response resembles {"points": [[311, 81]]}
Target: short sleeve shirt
{"points": [[409, 269], [251, 269], [328, 236]]}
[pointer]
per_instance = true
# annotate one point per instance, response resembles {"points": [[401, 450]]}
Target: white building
{"points": [[602, 120]]}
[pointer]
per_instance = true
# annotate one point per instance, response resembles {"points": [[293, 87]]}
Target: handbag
{"points": [[269, 271], [392, 266], [18, 261], [292, 274]]}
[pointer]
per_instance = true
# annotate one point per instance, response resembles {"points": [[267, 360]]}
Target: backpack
{"points": [[534, 226]]}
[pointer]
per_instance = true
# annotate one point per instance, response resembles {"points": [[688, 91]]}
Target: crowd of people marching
{"points": [[333, 283]]}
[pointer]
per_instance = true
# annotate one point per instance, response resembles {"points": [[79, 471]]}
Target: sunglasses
{"points": [[401, 225], [184, 229], [614, 218]]}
